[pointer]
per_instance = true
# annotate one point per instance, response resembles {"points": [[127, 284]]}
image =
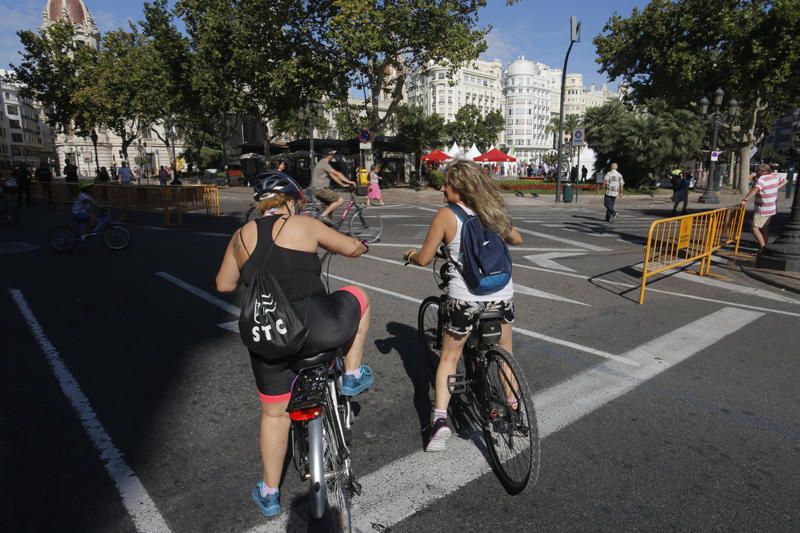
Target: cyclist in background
{"points": [[476, 193], [338, 319], [320, 181], [84, 208]]}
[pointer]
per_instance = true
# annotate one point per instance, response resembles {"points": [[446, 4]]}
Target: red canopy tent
{"points": [[495, 156], [436, 155]]}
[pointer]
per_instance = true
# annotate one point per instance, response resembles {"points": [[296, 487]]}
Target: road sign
{"points": [[715, 155], [577, 137], [365, 146], [364, 136]]}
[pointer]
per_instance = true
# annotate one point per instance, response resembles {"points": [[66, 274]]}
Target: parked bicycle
{"points": [[115, 235], [491, 384], [9, 208], [359, 221]]}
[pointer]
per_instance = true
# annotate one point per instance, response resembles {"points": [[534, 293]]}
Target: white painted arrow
{"points": [[546, 260]]}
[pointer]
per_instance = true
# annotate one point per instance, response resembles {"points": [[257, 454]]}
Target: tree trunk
{"points": [[744, 168]]}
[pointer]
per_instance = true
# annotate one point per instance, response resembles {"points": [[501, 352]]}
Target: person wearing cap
{"points": [[323, 172], [84, 208]]}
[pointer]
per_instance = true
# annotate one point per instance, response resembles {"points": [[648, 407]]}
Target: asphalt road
{"points": [[125, 405]]}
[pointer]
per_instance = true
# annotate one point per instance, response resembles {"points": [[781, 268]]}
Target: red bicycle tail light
{"points": [[305, 414]]}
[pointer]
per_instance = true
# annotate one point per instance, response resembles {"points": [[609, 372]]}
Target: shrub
{"points": [[436, 179]]}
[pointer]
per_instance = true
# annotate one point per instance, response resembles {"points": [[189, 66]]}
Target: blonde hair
{"points": [[279, 200], [479, 192]]}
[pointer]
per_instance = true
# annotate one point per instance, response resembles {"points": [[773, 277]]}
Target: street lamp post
{"points": [[711, 194], [574, 36]]}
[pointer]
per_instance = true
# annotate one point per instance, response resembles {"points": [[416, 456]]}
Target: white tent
{"points": [[454, 150], [472, 153]]}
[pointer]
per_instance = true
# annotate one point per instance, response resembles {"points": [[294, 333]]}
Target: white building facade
{"points": [[531, 93], [145, 155], [25, 137], [438, 91]]}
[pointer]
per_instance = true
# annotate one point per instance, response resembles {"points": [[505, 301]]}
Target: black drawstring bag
{"points": [[268, 324]]}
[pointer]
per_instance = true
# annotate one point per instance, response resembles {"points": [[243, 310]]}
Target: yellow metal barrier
{"points": [[168, 198], [678, 241]]}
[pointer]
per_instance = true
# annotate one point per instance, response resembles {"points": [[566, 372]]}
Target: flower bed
{"points": [[541, 186]]}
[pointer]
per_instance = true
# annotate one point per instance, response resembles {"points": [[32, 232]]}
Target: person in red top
{"points": [[765, 189]]}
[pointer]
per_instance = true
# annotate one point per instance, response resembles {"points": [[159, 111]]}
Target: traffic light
{"points": [[574, 29]]}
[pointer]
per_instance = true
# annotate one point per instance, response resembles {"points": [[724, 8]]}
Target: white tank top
{"points": [[458, 288]]}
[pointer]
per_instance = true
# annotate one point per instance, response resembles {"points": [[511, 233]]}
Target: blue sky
{"points": [[539, 30]]}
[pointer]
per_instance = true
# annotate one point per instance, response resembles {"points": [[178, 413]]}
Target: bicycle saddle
{"points": [[323, 358], [489, 315]]}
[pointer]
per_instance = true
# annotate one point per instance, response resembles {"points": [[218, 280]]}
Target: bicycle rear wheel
{"points": [[511, 432], [63, 239], [117, 237], [430, 331], [337, 474], [365, 224]]}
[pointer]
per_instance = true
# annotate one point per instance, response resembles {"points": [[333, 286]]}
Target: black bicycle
{"points": [[115, 235], [492, 384]]}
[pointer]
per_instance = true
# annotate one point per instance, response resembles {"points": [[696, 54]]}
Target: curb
{"points": [[770, 278]]}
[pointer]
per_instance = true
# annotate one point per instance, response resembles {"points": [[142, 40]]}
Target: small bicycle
{"points": [[492, 384], [115, 235], [362, 223]]}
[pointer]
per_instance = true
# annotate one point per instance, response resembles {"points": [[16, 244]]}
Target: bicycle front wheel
{"points": [[509, 422], [365, 224], [430, 331], [117, 237], [63, 239]]}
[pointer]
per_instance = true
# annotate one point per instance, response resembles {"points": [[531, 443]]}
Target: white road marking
{"points": [[733, 287], [547, 260], [578, 244], [212, 234], [521, 289], [510, 248], [210, 298], [402, 488], [660, 291], [17, 247], [137, 501]]}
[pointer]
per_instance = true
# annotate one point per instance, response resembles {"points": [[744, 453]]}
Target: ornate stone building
{"points": [[146, 154]]}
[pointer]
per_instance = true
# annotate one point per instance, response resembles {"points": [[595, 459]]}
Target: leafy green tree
{"points": [[419, 130], [644, 142], [376, 45], [470, 127], [682, 50]]}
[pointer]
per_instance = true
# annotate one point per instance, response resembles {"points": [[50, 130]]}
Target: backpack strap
{"points": [[462, 215]]}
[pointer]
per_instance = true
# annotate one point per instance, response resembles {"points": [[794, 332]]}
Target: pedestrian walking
{"points": [[44, 175], [374, 189], [125, 174], [70, 171], [163, 175], [598, 180], [584, 172], [103, 176], [680, 192], [114, 171], [22, 177], [765, 189], [614, 185]]}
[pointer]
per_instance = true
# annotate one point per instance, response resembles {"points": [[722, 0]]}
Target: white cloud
{"points": [[500, 46]]}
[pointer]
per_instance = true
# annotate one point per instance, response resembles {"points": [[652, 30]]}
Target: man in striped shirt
{"points": [[765, 189]]}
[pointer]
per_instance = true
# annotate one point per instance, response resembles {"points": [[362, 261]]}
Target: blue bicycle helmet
{"points": [[273, 182]]}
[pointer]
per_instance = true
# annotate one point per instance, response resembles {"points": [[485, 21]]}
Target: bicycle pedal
{"points": [[457, 383]]}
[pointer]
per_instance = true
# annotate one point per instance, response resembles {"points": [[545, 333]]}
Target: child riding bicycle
{"points": [[84, 208]]}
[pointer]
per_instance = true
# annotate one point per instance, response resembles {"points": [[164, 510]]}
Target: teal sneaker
{"points": [[352, 386], [270, 505]]}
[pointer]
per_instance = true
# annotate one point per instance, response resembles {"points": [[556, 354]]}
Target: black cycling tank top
{"points": [[297, 273]]}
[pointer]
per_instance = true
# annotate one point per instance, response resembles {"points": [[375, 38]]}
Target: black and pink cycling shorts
{"points": [[332, 320]]}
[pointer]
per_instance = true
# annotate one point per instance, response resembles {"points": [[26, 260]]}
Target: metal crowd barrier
{"points": [[167, 198], [678, 241]]}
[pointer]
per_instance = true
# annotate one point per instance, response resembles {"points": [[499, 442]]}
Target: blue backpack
{"points": [[485, 260]]}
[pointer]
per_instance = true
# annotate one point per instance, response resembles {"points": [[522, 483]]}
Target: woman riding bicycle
{"points": [[476, 193], [338, 319]]}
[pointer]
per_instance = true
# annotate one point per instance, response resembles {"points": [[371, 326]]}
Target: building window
{"points": [[12, 109], [16, 137], [15, 124], [441, 75]]}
